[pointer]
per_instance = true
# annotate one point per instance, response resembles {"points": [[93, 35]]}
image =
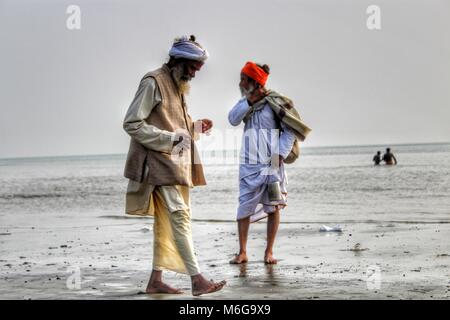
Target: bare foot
{"points": [[161, 287], [239, 258], [269, 259], [202, 286]]}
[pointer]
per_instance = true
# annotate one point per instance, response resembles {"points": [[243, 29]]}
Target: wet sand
{"points": [[42, 257]]}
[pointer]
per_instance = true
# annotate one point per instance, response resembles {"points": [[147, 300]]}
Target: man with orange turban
{"points": [[271, 134]]}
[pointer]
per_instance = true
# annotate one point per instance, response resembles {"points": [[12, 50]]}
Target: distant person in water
{"points": [[377, 158], [389, 157]]}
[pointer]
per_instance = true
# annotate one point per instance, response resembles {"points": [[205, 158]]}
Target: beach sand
{"points": [[108, 256]]}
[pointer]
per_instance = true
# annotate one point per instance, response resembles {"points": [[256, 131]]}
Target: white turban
{"points": [[189, 49]]}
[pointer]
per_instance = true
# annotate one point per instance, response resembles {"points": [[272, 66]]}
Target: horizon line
{"points": [[219, 150]]}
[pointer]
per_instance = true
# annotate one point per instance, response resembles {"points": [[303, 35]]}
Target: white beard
{"points": [[247, 93], [181, 79]]}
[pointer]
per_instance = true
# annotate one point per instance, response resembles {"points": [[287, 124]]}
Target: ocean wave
{"points": [[30, 196], [55, 195]]}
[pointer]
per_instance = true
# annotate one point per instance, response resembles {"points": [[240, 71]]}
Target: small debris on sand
{"points": [[356, 248]]}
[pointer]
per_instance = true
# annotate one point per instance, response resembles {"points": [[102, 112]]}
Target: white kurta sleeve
{"points": [[287, 139], [147, 97], [238, 112]]}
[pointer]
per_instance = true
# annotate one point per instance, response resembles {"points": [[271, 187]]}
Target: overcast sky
{"points": [[65, 92]]}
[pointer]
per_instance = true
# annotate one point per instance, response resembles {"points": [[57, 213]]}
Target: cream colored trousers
{"points": [[173, 248]]}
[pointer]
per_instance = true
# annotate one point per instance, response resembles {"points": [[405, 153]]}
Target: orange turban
{"points": [[256, 73]]}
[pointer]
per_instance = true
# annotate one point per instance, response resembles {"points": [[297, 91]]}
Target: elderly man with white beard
{"points": [[163, 163]]}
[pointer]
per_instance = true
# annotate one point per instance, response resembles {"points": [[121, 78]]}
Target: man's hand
{"points": [[207, 124], [257, 95], [182, 140], [276, 160]]}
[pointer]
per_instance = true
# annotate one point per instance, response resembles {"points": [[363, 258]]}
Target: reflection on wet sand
{"points": [[253, 274]]}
